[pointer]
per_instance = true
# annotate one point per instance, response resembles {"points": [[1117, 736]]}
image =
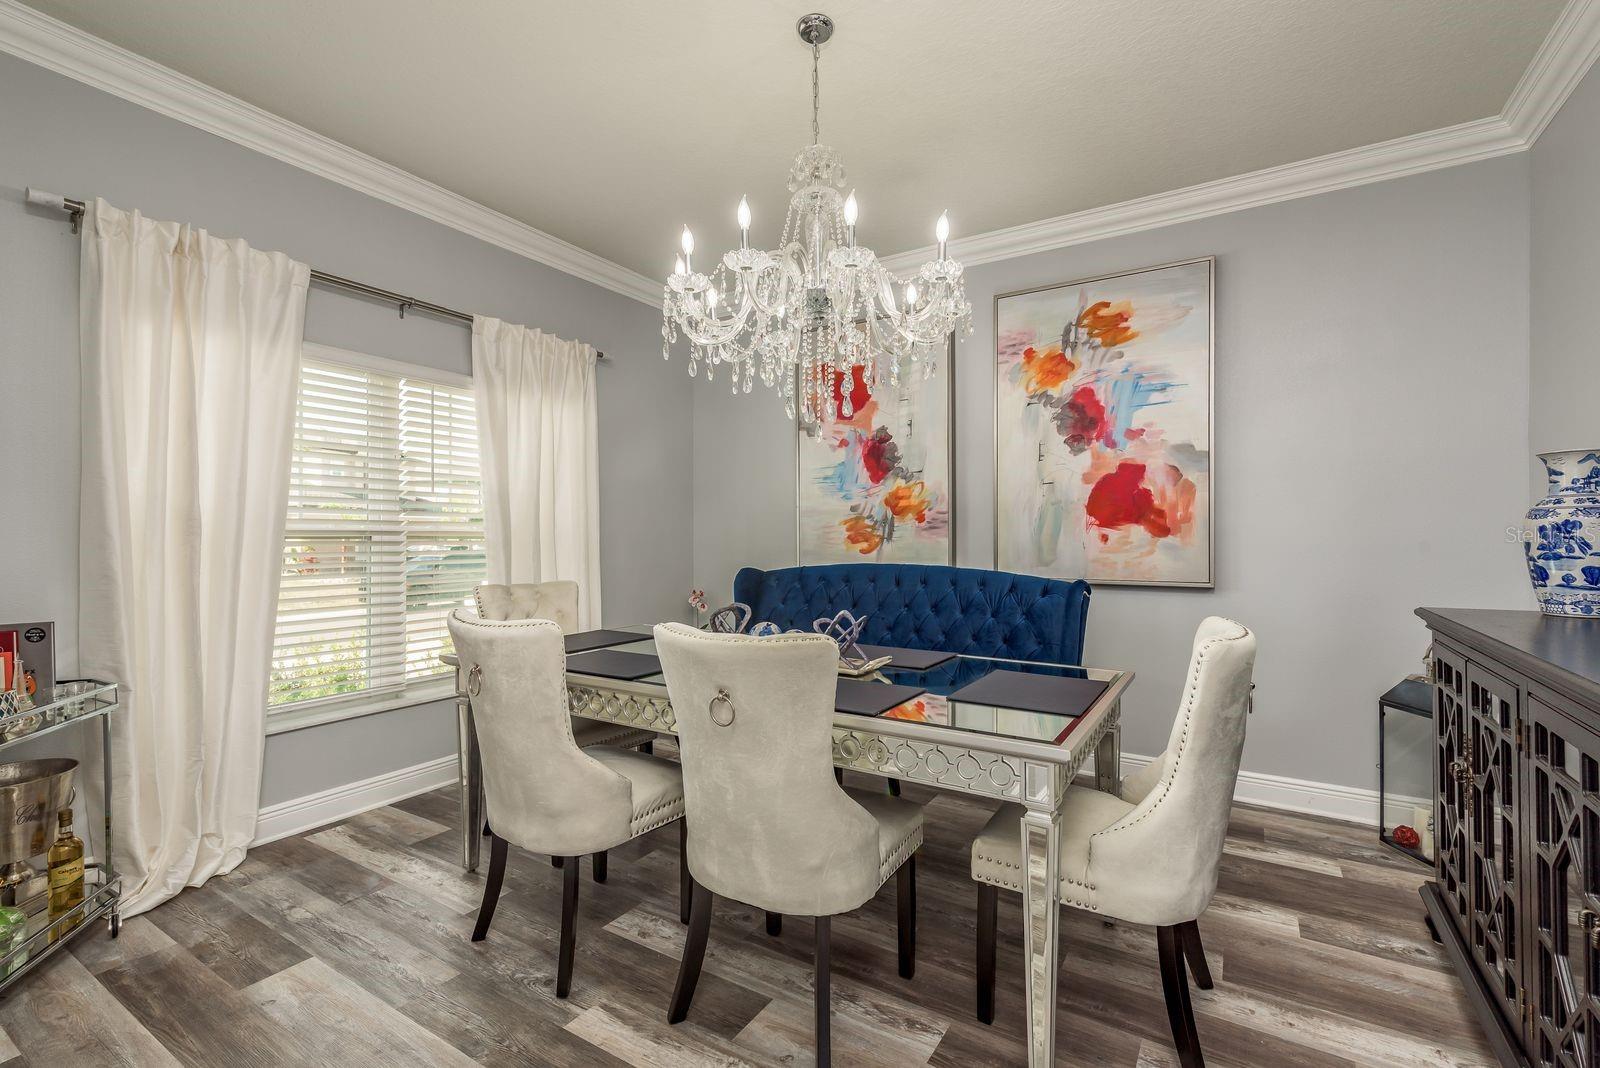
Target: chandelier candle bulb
{"points": [[941, 232], [744, 222], [850, 213]]}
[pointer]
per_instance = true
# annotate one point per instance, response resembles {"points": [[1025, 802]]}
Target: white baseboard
{"points": [[1350, 804], [1347, 803], [341, 802]]}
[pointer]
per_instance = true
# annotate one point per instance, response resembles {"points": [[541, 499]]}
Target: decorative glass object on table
{"points": [[1405, 768]]}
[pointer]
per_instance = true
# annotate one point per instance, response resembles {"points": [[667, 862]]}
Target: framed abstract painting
{"points": [[1103, 428], [878, 485]]}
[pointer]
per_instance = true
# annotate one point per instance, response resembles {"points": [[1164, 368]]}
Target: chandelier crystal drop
{"points": [[820, 310]]}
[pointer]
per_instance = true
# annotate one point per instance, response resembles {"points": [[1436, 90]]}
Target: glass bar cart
{"points": [[69, 704]]}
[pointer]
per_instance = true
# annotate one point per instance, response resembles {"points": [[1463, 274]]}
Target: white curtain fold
{"points": [[190, 365], [538, 446]]}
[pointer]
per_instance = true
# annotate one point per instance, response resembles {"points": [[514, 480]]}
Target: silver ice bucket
{"points": [[32, 792]]}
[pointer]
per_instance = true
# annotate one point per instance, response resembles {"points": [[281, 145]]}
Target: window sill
{"points": [[423, 693]]}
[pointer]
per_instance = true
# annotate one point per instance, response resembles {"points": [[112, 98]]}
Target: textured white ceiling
{"points": [[611, 124]]}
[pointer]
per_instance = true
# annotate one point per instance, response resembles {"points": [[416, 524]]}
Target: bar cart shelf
{"points": [[70, 703]]}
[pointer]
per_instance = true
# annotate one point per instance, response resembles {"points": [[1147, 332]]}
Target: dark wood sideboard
{"points": [[1515, 898]]}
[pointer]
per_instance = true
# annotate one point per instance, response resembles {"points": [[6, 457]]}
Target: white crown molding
{"points": [[1566, 54], [50, 43], [1480, 139], [1568, 51]]}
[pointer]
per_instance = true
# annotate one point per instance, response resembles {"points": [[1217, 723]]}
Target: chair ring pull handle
{"points": [[722, 698], [474, 680]]}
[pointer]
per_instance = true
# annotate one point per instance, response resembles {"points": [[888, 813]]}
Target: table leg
{"points": [[1041, 896], [1108, 760], [471, 774]]}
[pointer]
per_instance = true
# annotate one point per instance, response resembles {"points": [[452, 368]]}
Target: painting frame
{"points": [[1210, 262], [950, 449]]}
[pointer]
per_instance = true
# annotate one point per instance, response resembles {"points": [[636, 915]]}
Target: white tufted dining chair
{"points": [[767, 823], [543, 792], [1150, 853], [558, 601]]}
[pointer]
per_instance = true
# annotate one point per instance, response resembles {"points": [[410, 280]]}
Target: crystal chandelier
{"points": [[820, 310]]}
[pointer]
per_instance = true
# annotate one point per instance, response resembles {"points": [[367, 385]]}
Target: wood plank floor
{"points": [[349, 945]]}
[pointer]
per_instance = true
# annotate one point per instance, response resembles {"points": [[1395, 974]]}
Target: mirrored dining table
{"points": [[1010, 754]]}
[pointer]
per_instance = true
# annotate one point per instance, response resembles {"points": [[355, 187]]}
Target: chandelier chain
{"points": [[816, 98]]}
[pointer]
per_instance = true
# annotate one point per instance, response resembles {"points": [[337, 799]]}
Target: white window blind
{"points": [[384, 534]]}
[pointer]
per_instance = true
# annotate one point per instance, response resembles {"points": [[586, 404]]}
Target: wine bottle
{"points": [[66, 874]]}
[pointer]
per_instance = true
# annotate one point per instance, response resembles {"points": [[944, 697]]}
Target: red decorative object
{"points": [[1407, 836]]}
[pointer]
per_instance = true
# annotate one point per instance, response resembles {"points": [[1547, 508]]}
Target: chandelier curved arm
{"points": [[787, 277], [707, 330]]}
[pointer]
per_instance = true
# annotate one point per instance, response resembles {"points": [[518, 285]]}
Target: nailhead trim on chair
{"points": [[667, 807], [1144, 810], [567, 720], [909, 845], [1148, 806], [624, 737], [1017, 885], [1137, 817]]}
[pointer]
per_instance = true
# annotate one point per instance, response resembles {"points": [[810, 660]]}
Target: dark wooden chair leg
{"points": [[694, 953], [486, 831], [1195, 954], [600, 866], [569, 925], [988, 915], [491, 887], [684, 882], [894, 787], [774, 924], [838, 776], [556, 862], [824, 999], [906, 902], [1175, 984], [648, 747]]}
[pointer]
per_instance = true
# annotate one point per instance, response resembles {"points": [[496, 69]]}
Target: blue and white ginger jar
{"points": [[1564, 552]]}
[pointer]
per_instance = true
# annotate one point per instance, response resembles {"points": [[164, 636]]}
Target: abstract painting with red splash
{"points": [[874, 484], [1103, 411]]}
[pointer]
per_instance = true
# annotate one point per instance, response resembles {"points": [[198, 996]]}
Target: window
{"points": [[384, 535]]}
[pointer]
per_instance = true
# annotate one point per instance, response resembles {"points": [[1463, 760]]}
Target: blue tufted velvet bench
{"points": [[920, 606]]}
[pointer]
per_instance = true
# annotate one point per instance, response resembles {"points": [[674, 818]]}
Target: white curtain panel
{"points": [[538, 444], [190, 365]]}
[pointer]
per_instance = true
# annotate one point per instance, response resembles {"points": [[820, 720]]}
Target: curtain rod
{"points": [[76, 208]]}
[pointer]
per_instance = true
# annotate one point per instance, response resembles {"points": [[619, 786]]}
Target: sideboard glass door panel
{"points": [[1450, 817], [1564, 781], [1493, 720]]}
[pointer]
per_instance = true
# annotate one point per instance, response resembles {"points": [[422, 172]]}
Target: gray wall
{"points": [[1372, 407], [1566, 273], [60, 135]]}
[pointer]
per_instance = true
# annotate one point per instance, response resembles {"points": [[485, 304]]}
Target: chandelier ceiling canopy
{"points": [[819, 309]]}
